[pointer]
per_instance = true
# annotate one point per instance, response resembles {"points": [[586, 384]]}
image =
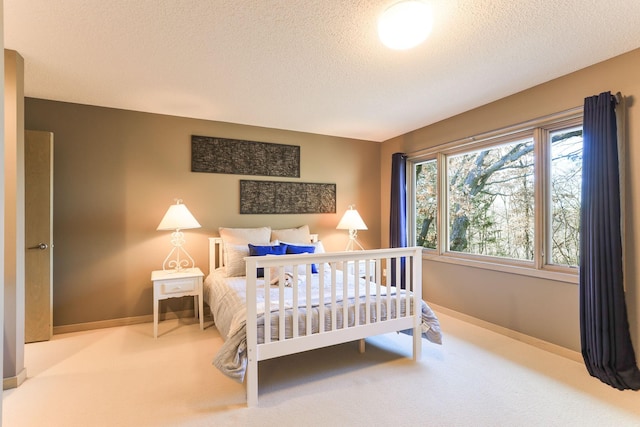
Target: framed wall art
{"points": [[234, 156], [277, 197]]}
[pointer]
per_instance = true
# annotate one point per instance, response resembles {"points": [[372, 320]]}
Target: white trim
{"points": [[569, 114], [528, 339], [541, 199], [502, 266], [123, 321], [14, 382]]}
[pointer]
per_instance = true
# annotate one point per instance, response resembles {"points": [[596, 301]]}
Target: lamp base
{"points": [[350, 245], [173, 261], [353, 241]]}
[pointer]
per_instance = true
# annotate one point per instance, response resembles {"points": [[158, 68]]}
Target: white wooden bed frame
{"points": [[382, 259]]}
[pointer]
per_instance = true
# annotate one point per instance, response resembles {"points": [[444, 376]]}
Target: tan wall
{"points": [[116, 172], [541, 308]]}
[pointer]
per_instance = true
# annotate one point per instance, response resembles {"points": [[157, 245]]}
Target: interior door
{"points": [[38, 157]]}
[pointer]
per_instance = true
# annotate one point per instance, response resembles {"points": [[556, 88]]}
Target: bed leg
{"points": [[361, 346], [252, 382], [417, 343]]}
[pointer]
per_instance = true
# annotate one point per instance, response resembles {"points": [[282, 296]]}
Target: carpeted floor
{"points": [[123, 377]]}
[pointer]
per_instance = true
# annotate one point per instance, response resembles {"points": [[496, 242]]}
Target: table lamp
{"points": [[352, 221], [178, 218]]}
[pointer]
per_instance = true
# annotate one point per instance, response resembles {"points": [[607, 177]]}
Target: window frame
{"points": [[539, 130], [411, 191], [546, 195]]}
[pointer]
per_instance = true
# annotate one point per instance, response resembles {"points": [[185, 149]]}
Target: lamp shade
{"points": [[351, 220], [178, 217]]}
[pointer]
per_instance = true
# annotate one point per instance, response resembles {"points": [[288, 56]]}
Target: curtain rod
{"points": [[619, 97]]}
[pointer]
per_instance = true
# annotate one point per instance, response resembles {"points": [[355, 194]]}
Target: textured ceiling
{"points": [[313, 66]]}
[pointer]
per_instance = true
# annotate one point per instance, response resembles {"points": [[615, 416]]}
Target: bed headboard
{"points": [[216, 258], [216, 251]]}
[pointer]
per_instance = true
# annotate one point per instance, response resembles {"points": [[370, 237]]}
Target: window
{"points": [[512, 198], [426, 203], [491, 200], [566, 188]]}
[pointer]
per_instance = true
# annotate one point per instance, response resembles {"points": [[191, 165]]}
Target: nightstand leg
{"points": [[201, 305], [195, 305], [155, 318]]}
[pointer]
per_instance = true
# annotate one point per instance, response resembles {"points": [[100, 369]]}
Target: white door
{"points": [[38, 157]]}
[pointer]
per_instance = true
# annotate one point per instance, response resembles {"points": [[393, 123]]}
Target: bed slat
{"points": [[308, 305], [267, 303]]}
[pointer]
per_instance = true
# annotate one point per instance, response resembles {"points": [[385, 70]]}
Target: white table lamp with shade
{"points": [[178, 218], [352, 221]]}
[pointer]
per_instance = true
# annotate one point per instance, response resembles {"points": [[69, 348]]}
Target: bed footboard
{"points": [[387, 297]]}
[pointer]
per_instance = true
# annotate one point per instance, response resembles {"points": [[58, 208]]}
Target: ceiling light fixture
{"points": [[405, 24]]}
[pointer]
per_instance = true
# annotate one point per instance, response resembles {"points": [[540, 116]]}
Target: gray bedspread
{"points": [[226, 297]]}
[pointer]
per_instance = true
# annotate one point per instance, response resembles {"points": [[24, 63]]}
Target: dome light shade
{"points": [[405, 24]]}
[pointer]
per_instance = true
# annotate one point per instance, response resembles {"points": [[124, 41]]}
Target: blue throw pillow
{"points": [[255, 250], [295, 249]]}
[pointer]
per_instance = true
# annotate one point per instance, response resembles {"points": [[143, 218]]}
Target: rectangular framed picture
{"points": [[234, 156], [277, 197]]}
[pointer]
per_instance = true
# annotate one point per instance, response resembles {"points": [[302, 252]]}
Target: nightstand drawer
{"points": [[176, 286]]}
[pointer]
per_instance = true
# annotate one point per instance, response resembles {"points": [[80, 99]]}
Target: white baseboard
{"points": [[123, 321], [14, 382], [536, 342], [87, 326]]}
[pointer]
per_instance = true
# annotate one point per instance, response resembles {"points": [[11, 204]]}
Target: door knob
{"points": [[41, 246]]}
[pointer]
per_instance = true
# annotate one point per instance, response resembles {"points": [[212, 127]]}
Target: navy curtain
{"points": [[398, 214], [604, 328]]}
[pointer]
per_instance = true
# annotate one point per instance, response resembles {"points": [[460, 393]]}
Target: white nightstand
{"points": [[172, 284], [362, 269]]}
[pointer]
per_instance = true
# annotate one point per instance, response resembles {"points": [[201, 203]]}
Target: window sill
{"points": [[504, 268]]}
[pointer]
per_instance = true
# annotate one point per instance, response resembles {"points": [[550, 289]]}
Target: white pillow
{"points": [[236, 241], [319, 247], [320, 250], [292, 235], [234, 259], [236, 236]]}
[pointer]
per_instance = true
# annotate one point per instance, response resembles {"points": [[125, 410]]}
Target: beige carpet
{"points": [[123, 377]]}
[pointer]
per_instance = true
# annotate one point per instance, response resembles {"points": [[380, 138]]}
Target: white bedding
{"points": [[226, 297]]}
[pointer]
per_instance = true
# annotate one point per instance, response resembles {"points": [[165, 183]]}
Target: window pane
{"points": [[566, 184], [426, 204], [491, 201]]}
